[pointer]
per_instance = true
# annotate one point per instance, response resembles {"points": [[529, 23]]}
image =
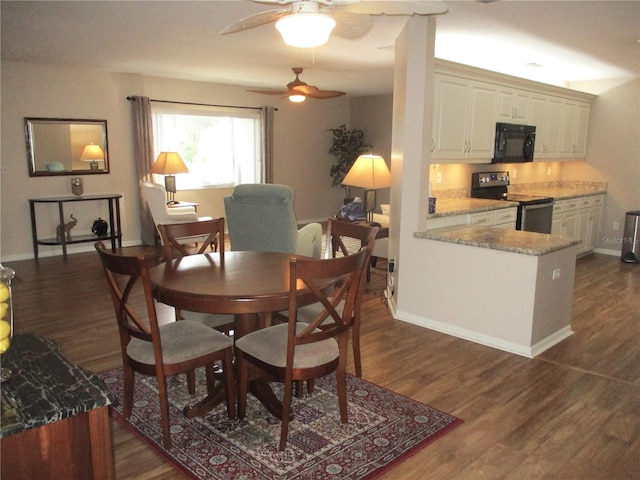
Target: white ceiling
{"points": [[571, 40]]}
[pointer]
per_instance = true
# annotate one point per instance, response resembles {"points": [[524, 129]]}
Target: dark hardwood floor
{"points": [[571, 413]]}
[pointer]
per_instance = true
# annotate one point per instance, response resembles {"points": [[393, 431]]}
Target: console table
{"points": [[114, 234], [55, 416]]}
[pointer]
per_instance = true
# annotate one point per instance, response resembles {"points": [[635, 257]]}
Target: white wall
{"points": [[613, 155], [301, 143], [374, 115]]}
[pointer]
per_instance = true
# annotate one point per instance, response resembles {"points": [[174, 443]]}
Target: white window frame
{"points": [[243, 160]]}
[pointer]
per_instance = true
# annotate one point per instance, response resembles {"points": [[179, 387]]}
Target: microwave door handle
{"points": [[528, 147]]}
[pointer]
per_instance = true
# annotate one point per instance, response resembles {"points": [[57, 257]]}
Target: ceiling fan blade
{"points": [[350, 25], [269, 92], [329, 3], [397, 7], [315, 92], [255, 20]]}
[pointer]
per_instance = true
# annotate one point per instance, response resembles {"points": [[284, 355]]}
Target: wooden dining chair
{"points": [[175, 238], [160, 351], [295, 351], [337, 232]]}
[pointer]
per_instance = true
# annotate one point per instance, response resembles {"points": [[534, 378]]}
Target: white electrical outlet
{"points": [[616, 225], [556, 274], [514, 173], [548, 171], [439, 177]]}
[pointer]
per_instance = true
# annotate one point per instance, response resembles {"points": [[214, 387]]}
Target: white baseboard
{"points": [[391, 302], [57, 251], [606, 251], [486, 340]]}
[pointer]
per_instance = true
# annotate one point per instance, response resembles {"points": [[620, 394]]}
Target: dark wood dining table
{"points": [[250, 285]]}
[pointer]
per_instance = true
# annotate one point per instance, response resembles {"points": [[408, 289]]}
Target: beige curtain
{"points": [[144, 158], [267, 144]]}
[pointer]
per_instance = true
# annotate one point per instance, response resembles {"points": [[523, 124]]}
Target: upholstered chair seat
{"points": [[177, 343]]}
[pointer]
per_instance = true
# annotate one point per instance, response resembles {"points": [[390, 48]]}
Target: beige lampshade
{"points": [[92, 153], [369, 172], [169, 163]]}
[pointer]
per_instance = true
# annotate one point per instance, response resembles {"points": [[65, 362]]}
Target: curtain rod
{"points": [[131, 99]]}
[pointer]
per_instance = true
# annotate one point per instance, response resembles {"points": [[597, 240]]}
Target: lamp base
{"points": [[170, 187], [369, 203]]}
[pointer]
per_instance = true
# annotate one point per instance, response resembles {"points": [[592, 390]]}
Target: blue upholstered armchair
{"points": [[260, 217]]}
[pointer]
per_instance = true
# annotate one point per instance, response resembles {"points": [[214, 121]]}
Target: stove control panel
{"points": [[489, 179]]}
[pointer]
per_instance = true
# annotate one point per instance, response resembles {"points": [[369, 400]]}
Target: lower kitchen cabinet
{"points": [[579, 218], [501, 218]]}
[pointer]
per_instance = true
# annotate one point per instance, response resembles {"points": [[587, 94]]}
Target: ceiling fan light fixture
{"points": [[297, 98], [306, 30]]}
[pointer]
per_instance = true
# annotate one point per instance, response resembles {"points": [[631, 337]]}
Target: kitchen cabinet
{"points": [[501, 218], [589, 213], [546, 115], [574, 143], [579, 218], [565, 218], [464, 124], [513, 106], [469, 101], [505, 218], [593, 228], [447, 221], [561, 127]]}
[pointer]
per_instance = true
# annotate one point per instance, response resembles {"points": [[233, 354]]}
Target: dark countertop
{"points": [[44, 387]]}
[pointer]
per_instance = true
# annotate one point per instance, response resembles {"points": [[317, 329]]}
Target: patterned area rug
{"points": [[383, 428]]}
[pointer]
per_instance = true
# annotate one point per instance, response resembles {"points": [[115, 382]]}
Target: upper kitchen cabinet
{"points": [[468, 102], [547, 116], [464, 120], [513, 106], [574, 131], [561, 127]]}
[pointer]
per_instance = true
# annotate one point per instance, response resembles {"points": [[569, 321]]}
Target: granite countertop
{"points": [[44, 387], [563, 193], [515, 241], [463, 205]]}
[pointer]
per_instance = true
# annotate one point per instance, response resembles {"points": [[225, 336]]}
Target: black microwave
{"points": [[514, 143]]}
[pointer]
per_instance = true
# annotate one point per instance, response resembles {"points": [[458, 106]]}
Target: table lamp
{"points": [[369, 172], [168, 164], [92, 153]]}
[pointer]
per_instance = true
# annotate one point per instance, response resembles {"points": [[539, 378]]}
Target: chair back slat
{"points": [[316, 276], [124, 274], [207, 232], [337, 229]]}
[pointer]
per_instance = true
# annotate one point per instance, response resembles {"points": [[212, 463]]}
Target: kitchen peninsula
{"points": [[508, 289]]}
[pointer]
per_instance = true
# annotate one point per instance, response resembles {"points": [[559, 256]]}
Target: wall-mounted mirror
{"points": [[66, 146]]}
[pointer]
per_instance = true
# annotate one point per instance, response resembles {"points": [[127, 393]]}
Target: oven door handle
{"points": [[535, 206]]}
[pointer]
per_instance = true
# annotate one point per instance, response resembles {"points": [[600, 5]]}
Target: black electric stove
{"points": [[534, 213]]}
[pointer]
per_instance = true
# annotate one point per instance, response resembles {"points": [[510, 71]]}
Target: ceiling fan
{"points": [[297, 20], [299, 90]]}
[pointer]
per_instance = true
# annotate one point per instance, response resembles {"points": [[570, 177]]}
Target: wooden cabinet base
{"points": [[78, 447]]}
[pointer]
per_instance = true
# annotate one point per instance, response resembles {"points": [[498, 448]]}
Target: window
{"points": [[220, 146]]}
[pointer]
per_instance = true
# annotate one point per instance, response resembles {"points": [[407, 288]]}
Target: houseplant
{"points": [[347, 145]]}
